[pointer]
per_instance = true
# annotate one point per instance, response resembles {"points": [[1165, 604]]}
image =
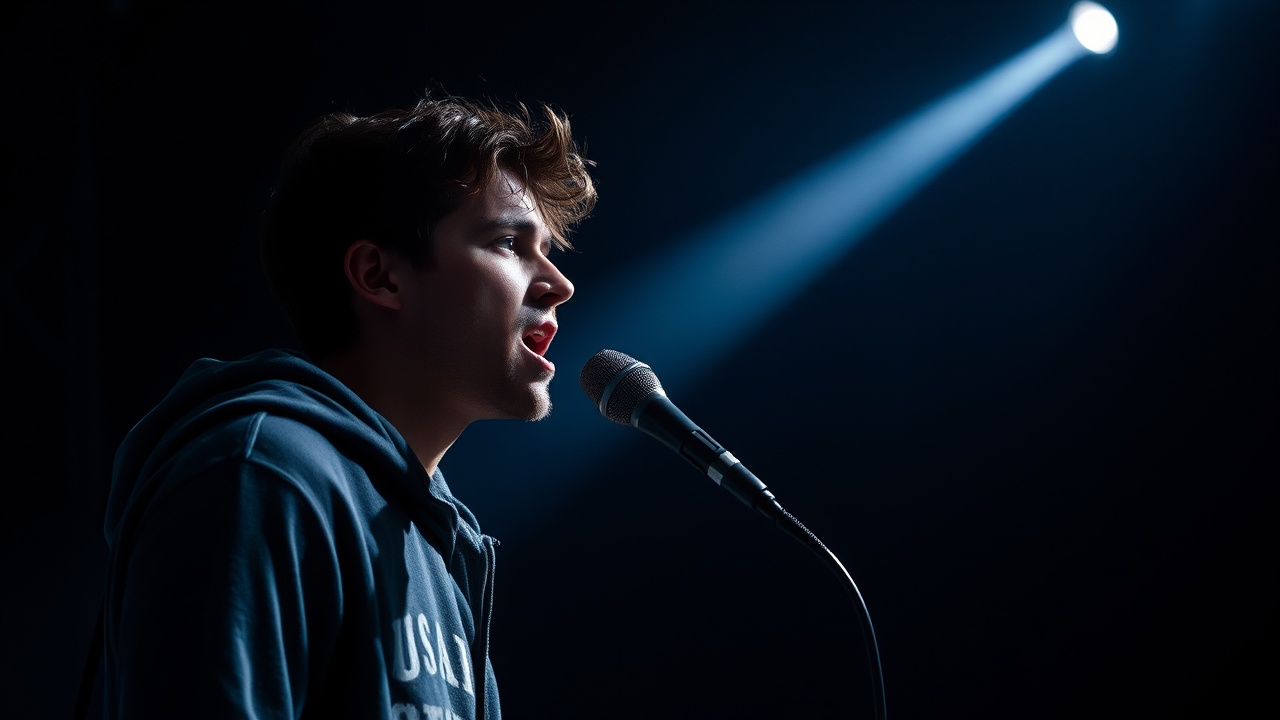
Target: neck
{"points": [[418, 416]]}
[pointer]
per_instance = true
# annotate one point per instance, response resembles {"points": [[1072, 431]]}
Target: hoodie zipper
{"points": [[480, 649]]}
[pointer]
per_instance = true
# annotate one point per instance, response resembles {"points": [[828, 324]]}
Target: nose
{"points": [[550, 287]]}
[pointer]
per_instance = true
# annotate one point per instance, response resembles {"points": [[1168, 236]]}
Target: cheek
{"points": [[499, 288], [485, 298]]}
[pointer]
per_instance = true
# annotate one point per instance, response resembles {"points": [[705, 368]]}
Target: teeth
{"points": [[535, 338]]}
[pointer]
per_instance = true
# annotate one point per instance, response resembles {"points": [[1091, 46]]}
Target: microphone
{"points": [[628, 392]]}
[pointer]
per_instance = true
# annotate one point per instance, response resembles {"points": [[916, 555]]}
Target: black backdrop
{"points": [[1034, 412]]}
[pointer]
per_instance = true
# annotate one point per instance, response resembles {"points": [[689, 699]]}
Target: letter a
{"points": [[463, 652], [424, 634], [442, 657]]}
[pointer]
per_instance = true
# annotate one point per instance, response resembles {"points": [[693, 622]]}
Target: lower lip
{"points": [[546, 364]]}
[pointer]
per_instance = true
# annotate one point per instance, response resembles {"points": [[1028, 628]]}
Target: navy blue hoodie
{"points": [[278, 551]]}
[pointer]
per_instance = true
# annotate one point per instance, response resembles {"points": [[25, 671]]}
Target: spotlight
{"points": [[1094, 27]]}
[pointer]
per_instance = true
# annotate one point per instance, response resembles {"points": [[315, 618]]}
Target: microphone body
{"points": [[627, 392], [659, 418]]}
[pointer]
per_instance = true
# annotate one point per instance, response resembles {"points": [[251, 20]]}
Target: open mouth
{"points": [[538, 337]]}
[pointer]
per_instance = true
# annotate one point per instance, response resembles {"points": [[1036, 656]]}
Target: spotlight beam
{"points": [[682, 310], [685, 308]]}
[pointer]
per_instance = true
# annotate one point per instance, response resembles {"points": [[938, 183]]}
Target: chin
{"points": [[541, 409], [541, 414], [533, 404]]}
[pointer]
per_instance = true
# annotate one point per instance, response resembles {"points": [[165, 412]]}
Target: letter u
{"points": [[405, 647]]}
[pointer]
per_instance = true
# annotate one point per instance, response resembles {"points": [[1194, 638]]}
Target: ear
{"points": [[372, 270]]}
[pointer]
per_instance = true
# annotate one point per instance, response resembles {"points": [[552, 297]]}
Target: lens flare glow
{"points": [[1094, 27]]}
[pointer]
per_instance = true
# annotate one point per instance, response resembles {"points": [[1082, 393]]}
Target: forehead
{"points": [[505, 200]]}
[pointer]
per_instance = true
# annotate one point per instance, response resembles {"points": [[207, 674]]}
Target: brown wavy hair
{"points": [[390, 178]]}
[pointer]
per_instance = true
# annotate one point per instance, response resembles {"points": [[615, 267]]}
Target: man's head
{"points": [[389, 179]]}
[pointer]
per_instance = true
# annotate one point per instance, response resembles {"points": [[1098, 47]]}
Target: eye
{"points": [[507, 243]]}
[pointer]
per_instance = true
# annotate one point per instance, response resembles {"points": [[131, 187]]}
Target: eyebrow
{"points": [[520, 222]]}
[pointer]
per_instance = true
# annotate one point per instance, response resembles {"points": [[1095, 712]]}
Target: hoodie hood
{"points": [[325, 557], [213, 392]]}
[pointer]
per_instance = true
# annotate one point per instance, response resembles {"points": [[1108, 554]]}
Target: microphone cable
{"points": [[793, 527]]}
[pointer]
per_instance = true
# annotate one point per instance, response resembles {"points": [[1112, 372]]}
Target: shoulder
{"points": [[260, 438], [265, 453]]}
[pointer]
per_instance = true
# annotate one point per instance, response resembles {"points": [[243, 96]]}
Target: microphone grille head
{"points": [[617, 382]]}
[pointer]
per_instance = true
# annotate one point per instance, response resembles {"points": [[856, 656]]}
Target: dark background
{"points": [[1034, 412]]}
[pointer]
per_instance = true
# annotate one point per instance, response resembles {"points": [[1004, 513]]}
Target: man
{"points": [[282, 542]]}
